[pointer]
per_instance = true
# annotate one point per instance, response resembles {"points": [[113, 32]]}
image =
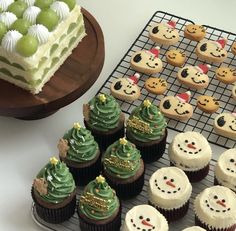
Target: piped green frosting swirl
{"points": [[82, 146], [152, 117], [104, 114], [99, 200], [60, 182], [121, 160]]}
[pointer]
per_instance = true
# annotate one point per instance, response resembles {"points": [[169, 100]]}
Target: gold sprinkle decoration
{"points": [[100, 179], [117, 162], [63, 147], [139, 125], [147, 103], [123, 141], [53, 160], [102, 98], [77, 126]]}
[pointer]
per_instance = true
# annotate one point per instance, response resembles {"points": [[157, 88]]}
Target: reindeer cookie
{"points": [[208, 104], [226, 75], [155, 85], [194, 32], [175, 57]]}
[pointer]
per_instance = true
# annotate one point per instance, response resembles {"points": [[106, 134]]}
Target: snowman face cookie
{"points": [[156, 85], [211, 51], [146, 62], [191, 76], [194, 32], [175, 57], [225, 125], [164, 34], [234, 91], [172, 107], [144, 218], [208, 104], [226, 75]]}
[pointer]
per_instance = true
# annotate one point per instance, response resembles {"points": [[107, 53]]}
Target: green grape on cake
{"points": [[17, 8], [43, 4], [70, 3], [27, 46], [21, 25], [3, 30]]}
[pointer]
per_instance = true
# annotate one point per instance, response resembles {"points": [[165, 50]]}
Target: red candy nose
{"points": [[221, 203], [191, 146], [170, 184], [146, 223]]}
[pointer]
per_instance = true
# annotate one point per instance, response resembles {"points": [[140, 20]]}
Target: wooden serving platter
{"points": [[72, 80]]}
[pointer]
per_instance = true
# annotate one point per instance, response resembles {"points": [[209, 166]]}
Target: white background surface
{"points": [[25, 146]]}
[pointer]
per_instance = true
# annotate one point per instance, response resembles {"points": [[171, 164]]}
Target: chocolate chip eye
{"points": [[232, 160], [215, 197], [171, 180], [223, 200], [186, 141], [165, 177], [140, 217], [148, 219], [193, 143]]}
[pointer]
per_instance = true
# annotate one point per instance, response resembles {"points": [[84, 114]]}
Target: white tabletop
{"points": [[25, 146]]}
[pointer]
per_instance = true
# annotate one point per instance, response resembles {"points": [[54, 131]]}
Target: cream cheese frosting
{"points": [[10, 39], [62, 10], [169, 188], [194, 228], [216, 207], [190, 151], [40, 32], [31, 14], [7, 18], [5, 3], [225, 170], [145, 218]]}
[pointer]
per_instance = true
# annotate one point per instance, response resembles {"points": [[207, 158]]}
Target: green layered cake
{"points": [[36, 37]]}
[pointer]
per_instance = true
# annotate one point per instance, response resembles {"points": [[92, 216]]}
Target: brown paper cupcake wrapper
{"points": [[172, 214]]}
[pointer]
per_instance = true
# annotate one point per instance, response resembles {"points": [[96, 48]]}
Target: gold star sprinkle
{"points": [[147, 103], [123, 141], [100, 179], [54, 160], [102, 98], [77, 126]]}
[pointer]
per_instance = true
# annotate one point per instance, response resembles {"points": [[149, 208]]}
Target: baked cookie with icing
{"points": [[212, 51], [191, 152], [194, 228], [225, 170], [147, 61], [155, 85], [175, 58], [177, 107], [144, 218], [215, 209], [233, 48], [225, 125], [234, 91], [194, 32], [194, 76], [164, 33], [208, 104], [169, 191], [226, 75], [126, 88]]}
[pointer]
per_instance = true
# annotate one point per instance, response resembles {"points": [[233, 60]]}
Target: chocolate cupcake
{"points": [[144, 218], [169, 192], [194, 228], [191, 152], [80, 152], [54, 192], [99, 208], [215, 209], [124, 168], [225, 170], [146, 128], [103, 117]]}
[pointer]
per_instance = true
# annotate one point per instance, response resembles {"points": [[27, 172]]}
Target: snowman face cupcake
{"points": [[144, 218]]}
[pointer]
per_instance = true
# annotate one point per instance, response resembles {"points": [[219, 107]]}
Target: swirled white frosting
{"points": [[61, 9], [31, 14], [5, 3], [7, 18], [29, 2], [40, 32], [10, 40]]}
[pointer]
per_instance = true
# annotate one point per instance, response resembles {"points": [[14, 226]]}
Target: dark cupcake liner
{"points": [[153, 152], [105, 140], [126, 190], [172, 214], [216, 182], [57, 215], [112, 225], [196, 176], [198, 222]]}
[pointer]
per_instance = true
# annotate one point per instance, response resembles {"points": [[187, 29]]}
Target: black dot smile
{"points": [[151, 66]]}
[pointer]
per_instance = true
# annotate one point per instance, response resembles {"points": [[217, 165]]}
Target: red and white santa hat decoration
{"points": [[134, 78], [184, 97], [221, 42], [154, 51], [171, 24], [203, 68]]}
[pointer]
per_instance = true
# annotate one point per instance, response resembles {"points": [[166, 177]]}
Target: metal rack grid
{"points": [[142, 198], [200, 122]]}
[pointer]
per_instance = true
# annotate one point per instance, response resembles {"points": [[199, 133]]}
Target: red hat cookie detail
{"points": [[171, 24], [222, 42], [154, 51], [134, 78], [184, 97], [203, 68]]}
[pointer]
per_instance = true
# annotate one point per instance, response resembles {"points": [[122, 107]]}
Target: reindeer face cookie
{"points": [[212, 51], [194, 76], [177, 107], [175, 57], [208, 104], [156, 86], [226, 75], [225, 125], [146, 61], [194, 32], [164, 33]]}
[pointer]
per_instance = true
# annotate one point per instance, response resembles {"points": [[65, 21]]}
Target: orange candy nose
{"points": [[220, 203], [146, 223], [191, 146], [170, 184]]}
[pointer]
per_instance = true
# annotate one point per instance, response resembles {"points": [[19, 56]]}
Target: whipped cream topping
{"points": [[40, 32], [10, 40], [5, 3], [29, 2], [61, 9], [31, 14], [7, 18]]}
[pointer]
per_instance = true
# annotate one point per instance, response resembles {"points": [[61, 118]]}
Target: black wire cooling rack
{"points": [[200, 122]]}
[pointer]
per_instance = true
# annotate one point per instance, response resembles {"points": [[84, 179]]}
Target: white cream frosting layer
{"points": [[169, 188], [190, 151], [225, 170], [194, 228], [144, 217], [216, 207]]}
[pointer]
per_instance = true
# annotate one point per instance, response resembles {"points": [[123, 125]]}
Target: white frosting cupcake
{"points": [[190, 151], [215, 207], [169, 188], [194, 228], [144, 218], [225, 170]]}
